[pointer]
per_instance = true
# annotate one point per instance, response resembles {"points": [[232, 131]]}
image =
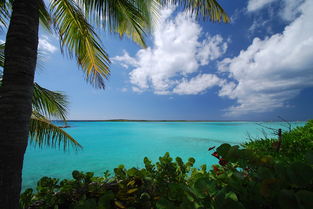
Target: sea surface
{"points": [[109, 144]]}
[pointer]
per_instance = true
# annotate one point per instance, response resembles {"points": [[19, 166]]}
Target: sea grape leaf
{"points": [[132, 172], [202, 186], [223, 149], [231, 195]]}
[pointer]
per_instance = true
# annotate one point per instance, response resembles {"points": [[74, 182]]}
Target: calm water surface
{"points": [[109, 144]]}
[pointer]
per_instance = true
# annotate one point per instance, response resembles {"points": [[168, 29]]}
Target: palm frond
{"points": [[44, 16], [201, 8], [49, 103], [5, 7], [126, 17], [79, 39], [43, 133]]}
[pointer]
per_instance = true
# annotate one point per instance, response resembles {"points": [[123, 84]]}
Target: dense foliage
{"points": [[243, 178], [294, 147]]}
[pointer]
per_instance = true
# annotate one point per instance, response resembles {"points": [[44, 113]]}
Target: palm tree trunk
{"points": [[16, 97]]}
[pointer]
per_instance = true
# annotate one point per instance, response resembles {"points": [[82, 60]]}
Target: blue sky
{"points": [[257, 67]]}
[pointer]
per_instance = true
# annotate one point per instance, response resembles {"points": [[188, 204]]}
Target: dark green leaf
{"points": [[223, 149]]}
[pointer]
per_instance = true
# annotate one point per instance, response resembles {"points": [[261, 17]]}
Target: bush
{"points": [[296, 143]]}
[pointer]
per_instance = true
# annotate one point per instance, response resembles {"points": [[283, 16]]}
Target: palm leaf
{"points": [[4, 13], [201, 8], [125, 17], [45, 134], [79, 39], [49, 103], [44, 16]]}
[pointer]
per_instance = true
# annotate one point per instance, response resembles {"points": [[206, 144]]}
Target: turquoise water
{"points": [[109, 144]]}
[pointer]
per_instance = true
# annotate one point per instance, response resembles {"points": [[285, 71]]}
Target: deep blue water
{"points": [[109, 144]]}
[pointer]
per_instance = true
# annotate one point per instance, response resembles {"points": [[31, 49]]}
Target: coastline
{"points": [[126, 120]]}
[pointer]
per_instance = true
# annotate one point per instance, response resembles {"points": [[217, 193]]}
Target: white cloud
{"points": [[254, 5], [197, 84], [211, 49], [272, 71], [259, 25], [45, 45], [290, 9], [177, 53], [125, 60]]}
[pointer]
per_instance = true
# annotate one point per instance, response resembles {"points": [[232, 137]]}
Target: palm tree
{"points": [[46, 104], [42, 131], [73, 21]]}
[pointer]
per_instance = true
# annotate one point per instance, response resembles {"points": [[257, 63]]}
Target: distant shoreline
{"points": [[126, 120]]}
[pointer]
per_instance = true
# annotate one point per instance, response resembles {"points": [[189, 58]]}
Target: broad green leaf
{"points": [[231, 195], [202, 186], [132, 172], [223, 149]]}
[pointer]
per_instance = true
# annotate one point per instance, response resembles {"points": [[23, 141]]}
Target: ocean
{"points": [[109, 144]]}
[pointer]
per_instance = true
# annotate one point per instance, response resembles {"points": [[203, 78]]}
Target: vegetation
{"points": [[46, 104], [295, 144], [42, 131], [243, 178]]}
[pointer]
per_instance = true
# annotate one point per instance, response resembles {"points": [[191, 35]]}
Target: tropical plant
{"points": [[294, 146], [73, 21], [43, 132], [46, 104]]}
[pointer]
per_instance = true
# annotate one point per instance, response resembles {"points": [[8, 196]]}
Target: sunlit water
{"points": [[109, 144]]}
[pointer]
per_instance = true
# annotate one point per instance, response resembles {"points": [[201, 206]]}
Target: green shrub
{"points": [[295, 144]]}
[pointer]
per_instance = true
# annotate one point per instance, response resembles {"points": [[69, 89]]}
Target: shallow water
{"points": [[109, 144]]}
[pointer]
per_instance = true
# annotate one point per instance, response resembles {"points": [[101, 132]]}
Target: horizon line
{"points": [[144, 120]]}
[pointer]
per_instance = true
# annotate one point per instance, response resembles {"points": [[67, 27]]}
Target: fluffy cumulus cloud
{"points": [[261, 78], [272, 71], [179, 49], [197, 84], [45, 45]]}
